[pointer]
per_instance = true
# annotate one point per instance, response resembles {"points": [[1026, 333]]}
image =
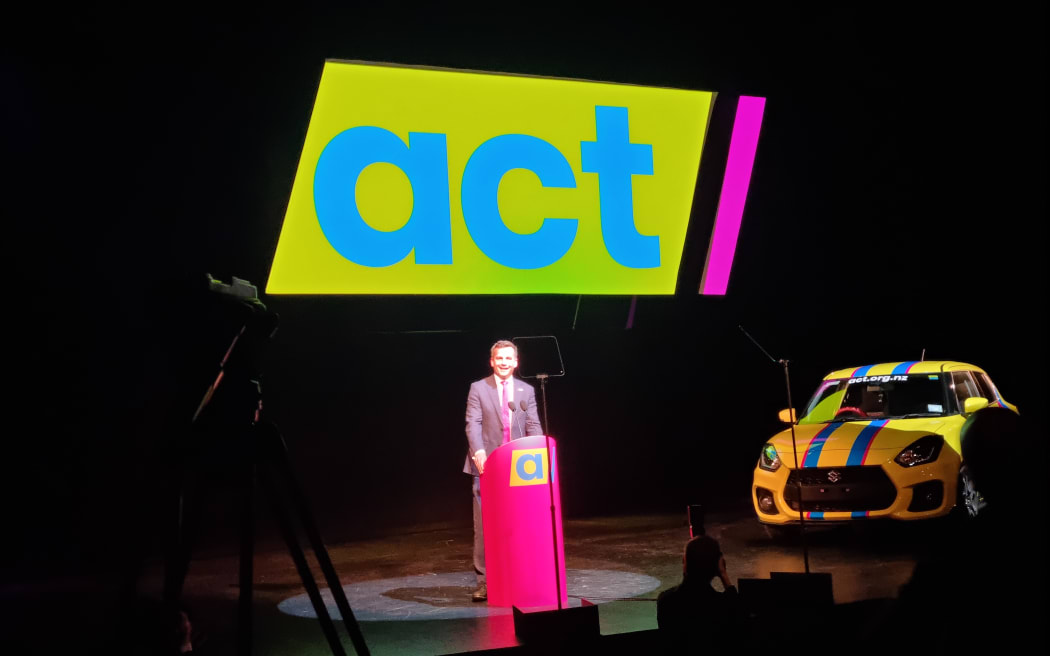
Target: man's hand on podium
{"points": [[479, 460]]}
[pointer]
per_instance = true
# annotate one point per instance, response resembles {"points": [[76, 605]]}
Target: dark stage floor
{"points": [[411, 592]]}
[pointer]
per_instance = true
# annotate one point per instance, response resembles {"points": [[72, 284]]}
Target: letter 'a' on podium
{"points": [[521, 566]]}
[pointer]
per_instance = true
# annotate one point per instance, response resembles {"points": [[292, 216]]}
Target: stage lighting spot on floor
{"points": [[447, 596]]}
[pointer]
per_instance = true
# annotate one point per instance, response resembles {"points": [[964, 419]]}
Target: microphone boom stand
{"points": [[794, 446], [546, 368], [550, 487]]}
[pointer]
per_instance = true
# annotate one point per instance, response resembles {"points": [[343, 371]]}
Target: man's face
{"points": [[504, 362]]}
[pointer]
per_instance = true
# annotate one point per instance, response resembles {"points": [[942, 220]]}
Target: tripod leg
{"points": [[280, 456], [307, 577], [184, 500], [247, 559]]}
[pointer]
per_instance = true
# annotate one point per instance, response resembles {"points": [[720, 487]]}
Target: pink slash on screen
{"points": [[742, 146]]}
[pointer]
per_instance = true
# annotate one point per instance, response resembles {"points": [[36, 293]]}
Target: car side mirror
{"points": [[974, 403], [787, 415]]}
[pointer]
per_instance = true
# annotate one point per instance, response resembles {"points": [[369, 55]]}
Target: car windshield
{"points": [[877, 397]]}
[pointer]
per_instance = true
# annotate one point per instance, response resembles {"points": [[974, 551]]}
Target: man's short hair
{"points": [[701, 558], [503, 343]]}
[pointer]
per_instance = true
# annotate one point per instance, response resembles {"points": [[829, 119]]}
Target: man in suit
{"points": [[494, 417]]}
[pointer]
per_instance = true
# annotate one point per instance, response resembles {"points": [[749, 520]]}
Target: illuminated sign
{"points": [[528, 467], [742, 146], [423, 181]]}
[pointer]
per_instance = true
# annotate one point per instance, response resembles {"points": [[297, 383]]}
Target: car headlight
{"points": [[770, 459], [923, 450]]}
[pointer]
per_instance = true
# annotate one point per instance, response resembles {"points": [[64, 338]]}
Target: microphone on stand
{"points": [[524, 410], [514, 411]]}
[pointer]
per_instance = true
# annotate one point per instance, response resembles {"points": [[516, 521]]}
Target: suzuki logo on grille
{"points": [[834, 476]]}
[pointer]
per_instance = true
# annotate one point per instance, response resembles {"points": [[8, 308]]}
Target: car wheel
{"points": [[967, 498], [778, 533]]}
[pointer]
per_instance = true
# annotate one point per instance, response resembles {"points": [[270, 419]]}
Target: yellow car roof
{"points": [[906, 367]]}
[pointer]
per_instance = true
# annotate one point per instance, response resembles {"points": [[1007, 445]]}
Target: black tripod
{"points": [[232, 410]]}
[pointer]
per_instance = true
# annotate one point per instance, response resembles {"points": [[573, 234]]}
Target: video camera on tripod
{"points": [[254, 327], [238, 288], [231, 413]]}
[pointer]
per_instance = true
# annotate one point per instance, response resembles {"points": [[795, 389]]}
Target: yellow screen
{"points": [[424, 181]]}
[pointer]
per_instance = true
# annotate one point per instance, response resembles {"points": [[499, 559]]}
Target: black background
{"points": [[897, 205]]}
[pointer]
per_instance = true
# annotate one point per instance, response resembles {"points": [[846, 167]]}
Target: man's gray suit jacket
{"points": [[485, 419]]}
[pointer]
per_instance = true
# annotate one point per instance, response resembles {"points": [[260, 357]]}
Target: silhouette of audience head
{"points": [[695, 612], [997, 606], [991, 440], [701, 558]]}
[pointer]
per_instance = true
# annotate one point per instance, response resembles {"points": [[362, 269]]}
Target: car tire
{"points": [[778, 533], [968, 502]]}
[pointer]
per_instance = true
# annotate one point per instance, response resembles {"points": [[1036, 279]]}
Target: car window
{"points": [[825, 402], [965, 387], [987, 388], [877, 397]]}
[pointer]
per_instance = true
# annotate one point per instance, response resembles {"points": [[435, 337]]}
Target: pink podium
{"points": [[524, 564]]}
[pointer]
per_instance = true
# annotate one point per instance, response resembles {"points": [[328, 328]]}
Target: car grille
{"points": [[840, 489]]}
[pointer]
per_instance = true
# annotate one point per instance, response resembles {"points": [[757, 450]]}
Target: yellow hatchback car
{"points": [[876, 441]]}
